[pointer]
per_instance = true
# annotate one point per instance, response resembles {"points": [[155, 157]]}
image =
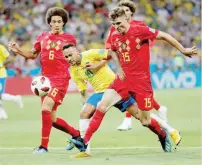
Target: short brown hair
{"points": [[116, 12], [131, 5], [57, 11], [67, 46]]}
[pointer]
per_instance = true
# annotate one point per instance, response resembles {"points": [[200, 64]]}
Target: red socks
{"points": [[156, 105], [93, 125], [155, 127], [62, 125], [46, 128], [128, 115]]}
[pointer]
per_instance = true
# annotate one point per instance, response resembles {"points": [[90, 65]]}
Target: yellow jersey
{"points": [[100, 80], [3, 56]]}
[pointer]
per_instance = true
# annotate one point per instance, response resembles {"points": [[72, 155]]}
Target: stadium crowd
{"points": [[22, 20]]}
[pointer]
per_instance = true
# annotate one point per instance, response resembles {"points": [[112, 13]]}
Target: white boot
{"points": [[17, 99], [126, 125], [162, 113], [3, 114]]}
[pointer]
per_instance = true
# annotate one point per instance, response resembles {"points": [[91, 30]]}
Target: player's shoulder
{"points": [[43, 35], [68, 35], [112, 29]]}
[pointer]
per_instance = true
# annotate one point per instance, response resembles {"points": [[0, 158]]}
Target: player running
{"points": [[4, 60], [130, 8], [48, 46], [128, 40], [90, 66]]}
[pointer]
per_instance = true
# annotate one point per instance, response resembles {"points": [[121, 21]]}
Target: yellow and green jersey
{"points": [[3, 56], [99, 80]]}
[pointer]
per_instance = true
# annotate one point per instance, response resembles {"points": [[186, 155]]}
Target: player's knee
{"points": [[85, 115], [102, 106], [48, 104], [144, 122]]}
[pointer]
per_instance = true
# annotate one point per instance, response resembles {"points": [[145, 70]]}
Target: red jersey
{"points": [[53, 64], [112, 29], [134, 54]]}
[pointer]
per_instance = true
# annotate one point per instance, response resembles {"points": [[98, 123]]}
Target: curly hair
{"points": [[57, 11], [131, 5], [116, 12]]}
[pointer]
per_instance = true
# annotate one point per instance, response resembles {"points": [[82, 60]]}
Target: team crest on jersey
{"points": [[53, 44], [124, 46]]}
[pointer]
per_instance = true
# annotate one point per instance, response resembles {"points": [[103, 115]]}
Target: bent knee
{"points": [[145, 123], [48, 104]]}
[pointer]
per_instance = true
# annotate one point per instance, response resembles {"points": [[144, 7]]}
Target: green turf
{"points": [[22, 129]]}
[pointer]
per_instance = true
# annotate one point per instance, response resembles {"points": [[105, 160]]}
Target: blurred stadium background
{"points": [[23, 20]]}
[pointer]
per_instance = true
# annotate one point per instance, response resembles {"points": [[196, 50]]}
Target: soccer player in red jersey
{"points": [[130, 8], [127, 40], [48, 46]]}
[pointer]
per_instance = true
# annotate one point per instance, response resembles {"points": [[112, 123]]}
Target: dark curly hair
{"points": [[57, 11]]}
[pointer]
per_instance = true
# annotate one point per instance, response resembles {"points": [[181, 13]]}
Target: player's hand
{"points": [[121, 74], [92, 67], [189, 52], [14, 47]]}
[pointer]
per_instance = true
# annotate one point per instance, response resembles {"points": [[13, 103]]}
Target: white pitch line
{"points": [[97, 148]]}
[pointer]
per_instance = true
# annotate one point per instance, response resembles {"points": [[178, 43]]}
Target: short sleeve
{"points": [[148, 33], [37, 43], [98, 54]]}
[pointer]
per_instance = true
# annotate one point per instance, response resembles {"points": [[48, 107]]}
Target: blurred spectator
{"points": [[22, 20]]}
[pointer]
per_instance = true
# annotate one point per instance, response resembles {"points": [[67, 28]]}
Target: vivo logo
{"points": [[170, 80]]}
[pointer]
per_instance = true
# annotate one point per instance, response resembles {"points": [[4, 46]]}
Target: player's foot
{"points": [[81, 155], [19, 102], [40, 150], [126, 125], [175, 135], [70, 145], [165, 143], [162, 113], [3, 114], [79, 143]]}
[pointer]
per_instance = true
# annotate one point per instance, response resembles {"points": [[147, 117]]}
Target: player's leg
{"points": [[3, 114], [47, 106], [109, 98], [8, 97], [58, 122], [87, 112], [145, 104], [161, 110], [174, 133]]}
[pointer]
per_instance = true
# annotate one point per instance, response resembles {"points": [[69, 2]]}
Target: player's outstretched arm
{"points": [[96, 67], [14, 47], [172, 41], [120, 71]]}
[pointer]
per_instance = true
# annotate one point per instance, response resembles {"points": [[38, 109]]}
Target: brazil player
{"points": [[48, 46], [90, 66], [127, 40], [130, 8], [5, 59]]}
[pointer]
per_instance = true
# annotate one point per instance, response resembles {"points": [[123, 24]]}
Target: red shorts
{"points": [[120, 87], [57, 96], [144, 100]]}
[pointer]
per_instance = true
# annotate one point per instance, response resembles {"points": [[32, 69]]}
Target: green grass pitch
{"points": [[20, 134]]}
